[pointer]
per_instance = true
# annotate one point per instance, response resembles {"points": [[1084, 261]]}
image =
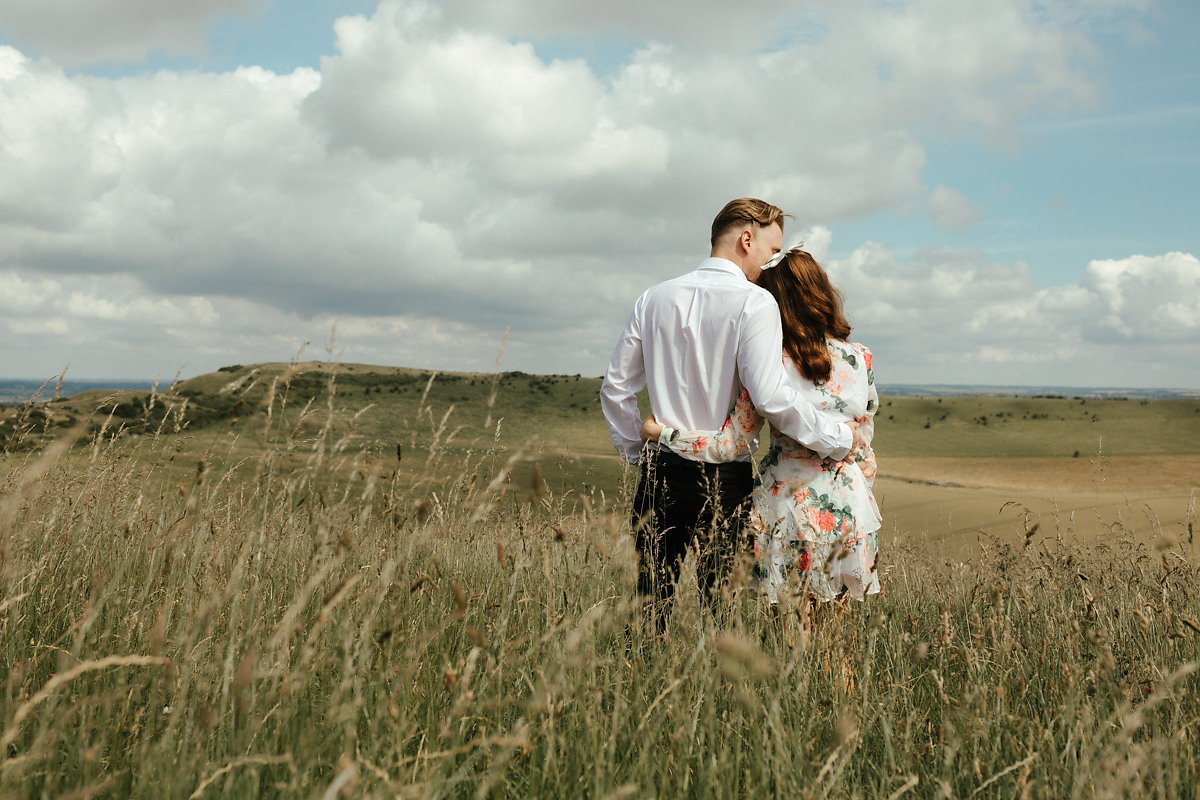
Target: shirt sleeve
{"points": [[625, 377], [735, 439], [760, 365]]}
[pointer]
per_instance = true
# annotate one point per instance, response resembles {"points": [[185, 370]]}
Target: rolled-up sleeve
{"points": [[625, 377], [760, 365]]}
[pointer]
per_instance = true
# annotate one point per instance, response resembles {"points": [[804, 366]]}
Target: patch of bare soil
{"points": [[944, 505], [1121, 473]]}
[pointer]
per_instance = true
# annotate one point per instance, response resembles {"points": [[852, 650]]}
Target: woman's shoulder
{"points": [[852, 351]]}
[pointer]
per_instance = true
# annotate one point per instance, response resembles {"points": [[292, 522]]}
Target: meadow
{"points": [[338, 580]]}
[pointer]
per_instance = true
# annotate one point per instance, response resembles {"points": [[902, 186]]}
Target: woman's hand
{"points": [[650, 429]]}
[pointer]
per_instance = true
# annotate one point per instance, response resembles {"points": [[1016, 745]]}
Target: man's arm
{"points": [[625, 377], [737, 438], [760, 365]]}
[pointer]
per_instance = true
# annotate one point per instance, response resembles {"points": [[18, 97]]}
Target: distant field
{"points": [[948, 466]]}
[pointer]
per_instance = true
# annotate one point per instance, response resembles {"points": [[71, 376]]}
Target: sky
{"points": [[1005, 192]]}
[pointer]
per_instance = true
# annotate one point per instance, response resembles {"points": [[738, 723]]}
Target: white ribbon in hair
{"points": [[774, 260]]}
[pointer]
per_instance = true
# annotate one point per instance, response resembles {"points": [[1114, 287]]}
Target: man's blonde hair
{"points": [[742, 211]]}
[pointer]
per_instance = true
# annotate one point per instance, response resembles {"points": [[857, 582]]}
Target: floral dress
{"points": [[816, 521]]}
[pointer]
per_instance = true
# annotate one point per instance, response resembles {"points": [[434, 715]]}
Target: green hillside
{"points": [[1036, 427], [553, 420]]}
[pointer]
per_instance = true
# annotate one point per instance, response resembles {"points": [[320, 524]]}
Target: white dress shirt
{"points": [[694, 342]]}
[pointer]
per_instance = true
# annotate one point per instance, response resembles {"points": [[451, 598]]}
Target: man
{"points": [[694, 342]]}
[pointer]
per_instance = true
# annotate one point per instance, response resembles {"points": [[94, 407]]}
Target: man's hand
{"points": [[858, 442], [651, 429]]}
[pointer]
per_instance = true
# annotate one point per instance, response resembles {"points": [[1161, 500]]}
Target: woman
{"points": [[816, 521]]}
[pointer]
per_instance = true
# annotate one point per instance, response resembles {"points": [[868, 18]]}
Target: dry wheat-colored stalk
{"points": [[345, 779], [518, 737], [23, 711], [31, 479], [243, 761], [491, 401], [912, 782], [1010, 768], [11, 601], [672, 686], [623, 791]]}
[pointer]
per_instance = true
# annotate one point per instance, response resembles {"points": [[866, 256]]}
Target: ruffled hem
{"points": [[822, 572]]}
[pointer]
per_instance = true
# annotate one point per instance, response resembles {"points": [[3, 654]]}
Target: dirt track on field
{"points": [[944, 503]]}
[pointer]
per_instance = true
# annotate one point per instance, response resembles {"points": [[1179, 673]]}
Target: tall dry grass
{"points": [[309, 624]]}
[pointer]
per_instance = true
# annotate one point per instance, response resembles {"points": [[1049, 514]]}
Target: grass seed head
{"points": [[537, 486], [460, 601], [846, 727], [739, 658]]}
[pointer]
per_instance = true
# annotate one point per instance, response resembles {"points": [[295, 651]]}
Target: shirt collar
{"points": [[722, 265]]}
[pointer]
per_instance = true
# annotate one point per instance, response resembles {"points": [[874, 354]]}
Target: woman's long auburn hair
{"points": [[810, 309]]}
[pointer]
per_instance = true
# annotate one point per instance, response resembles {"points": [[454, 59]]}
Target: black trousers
{"points": [[681, 504]]}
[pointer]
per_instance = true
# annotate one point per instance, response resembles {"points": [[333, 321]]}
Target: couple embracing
{"points": [[752, 336]]}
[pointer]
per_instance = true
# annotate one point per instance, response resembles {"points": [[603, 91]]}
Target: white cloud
{"points": [[954, 317], [38, 327], [25, 295], [438, 180], [399, 89], [73, 32], [941, 317], [111, 326], [655, 21], [1147, 298], [814, 239], [949, 209]]}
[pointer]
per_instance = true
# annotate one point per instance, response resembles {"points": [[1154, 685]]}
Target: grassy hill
{"points": [[372, 414], [376, 413]]}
